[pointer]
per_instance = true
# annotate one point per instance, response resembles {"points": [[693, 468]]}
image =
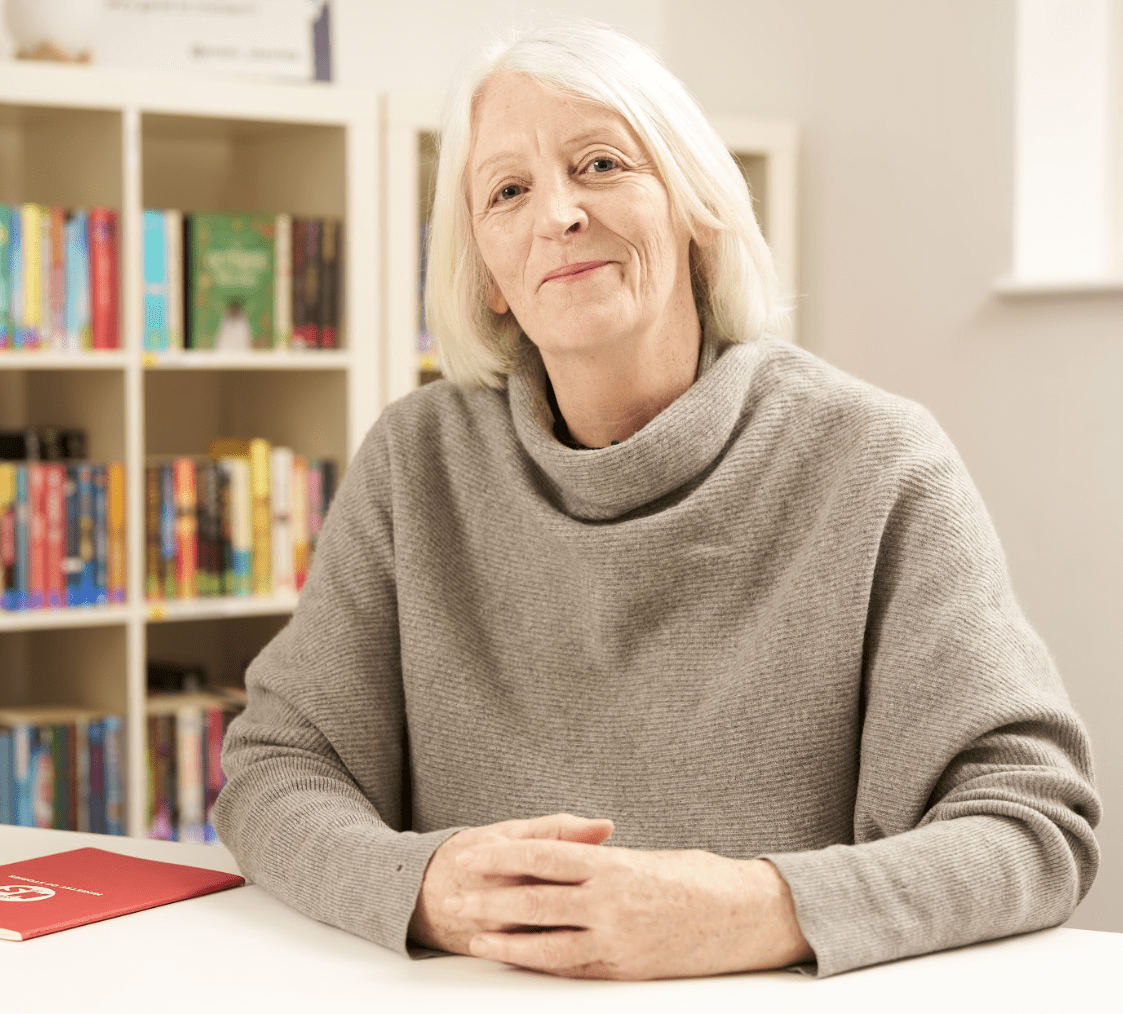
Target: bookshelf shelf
{"points": [[81, 136]]}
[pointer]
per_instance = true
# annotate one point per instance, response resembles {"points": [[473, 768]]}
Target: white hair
{"points": [[735, 287]]}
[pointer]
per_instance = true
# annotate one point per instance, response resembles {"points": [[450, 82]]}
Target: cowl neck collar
{"points": [[677, 445]]}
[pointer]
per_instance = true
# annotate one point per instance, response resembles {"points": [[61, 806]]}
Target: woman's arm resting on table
{"points": [[573, 909]]}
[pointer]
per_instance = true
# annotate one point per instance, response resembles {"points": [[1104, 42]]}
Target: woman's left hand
{"points": [[615, 913]]}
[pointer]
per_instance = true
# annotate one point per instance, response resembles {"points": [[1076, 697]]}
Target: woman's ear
{"points": [[495, 301]]}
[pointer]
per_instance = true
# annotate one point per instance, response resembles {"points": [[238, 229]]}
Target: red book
{"points": [[103, 277], [37, 542], [56, 534], [70, 889]]}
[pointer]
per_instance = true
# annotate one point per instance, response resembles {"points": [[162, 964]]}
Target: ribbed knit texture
{"points": [[776, 621]]}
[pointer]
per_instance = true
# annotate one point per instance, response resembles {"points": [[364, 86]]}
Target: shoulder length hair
{"points": [[733, 277]]}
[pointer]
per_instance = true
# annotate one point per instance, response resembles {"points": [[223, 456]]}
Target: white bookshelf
{"points": [[78, 137], [766, 150]]}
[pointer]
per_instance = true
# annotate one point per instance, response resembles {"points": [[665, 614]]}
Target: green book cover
{"points": [[230, 277]]}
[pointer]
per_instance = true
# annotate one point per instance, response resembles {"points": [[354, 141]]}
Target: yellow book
{"points": [[258, 451], [31, 255], [115, 516]]}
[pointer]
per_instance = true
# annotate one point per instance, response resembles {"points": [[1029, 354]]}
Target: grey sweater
{"points": [[774, 622]]}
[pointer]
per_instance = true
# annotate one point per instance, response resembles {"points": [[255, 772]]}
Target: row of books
{"points": [[62, 768], [242, 520], [58, 278], [241, 282], [62, 534]]}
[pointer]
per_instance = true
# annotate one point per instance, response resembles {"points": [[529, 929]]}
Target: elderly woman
{"points": [[640, 562]]}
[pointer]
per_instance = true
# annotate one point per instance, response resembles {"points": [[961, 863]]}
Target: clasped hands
{"points": [[543, 894]]}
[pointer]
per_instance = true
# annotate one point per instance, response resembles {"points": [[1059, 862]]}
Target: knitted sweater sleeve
{"points": [[313, 806], [975, 802]]}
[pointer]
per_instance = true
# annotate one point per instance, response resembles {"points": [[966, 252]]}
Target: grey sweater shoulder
{"points": [[775, 622]]}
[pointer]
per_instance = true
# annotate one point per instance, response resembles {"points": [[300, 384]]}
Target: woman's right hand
{"points": [[433, 925]]}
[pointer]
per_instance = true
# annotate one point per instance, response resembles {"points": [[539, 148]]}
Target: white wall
{"points": [[906, 110]]}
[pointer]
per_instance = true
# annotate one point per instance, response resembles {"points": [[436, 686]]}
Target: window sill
{"points": [[1010, 287]]}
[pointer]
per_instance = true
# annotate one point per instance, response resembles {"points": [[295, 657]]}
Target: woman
{"points": [[642, 563]]}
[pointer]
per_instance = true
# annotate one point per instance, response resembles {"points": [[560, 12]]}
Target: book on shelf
{"points": [[185, 732], [82, 886], [62, 534], [238, 521], [58, 278], [61, 768]]}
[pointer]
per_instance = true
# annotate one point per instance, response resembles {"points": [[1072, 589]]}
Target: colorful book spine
{"points": [[209, 527], [31, 259], [153, 580], [213, 779], [7, 777], [37, 534], [282, 282], [58, 277], [315, 504], [103, 278], [23, 538], [162, 818], [9, 588], [330, 250], [239, 577], [300, 545], [101, 533], [15, 276], [113, 734], [262, 517], [186, 528], [56, 534], [115, 533], [95, 766], [22, 749], [87, 537], [299, 313], [313, 269], [78, 337], [173, 228], [46, 339], [5, 276], [190, 787], [281, 528], [167, 529], [155, 282], [72, 560]]}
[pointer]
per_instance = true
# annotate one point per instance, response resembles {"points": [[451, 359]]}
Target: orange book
{"points": [[74, 888], [300, 519], [116, 521], [186, 529]]}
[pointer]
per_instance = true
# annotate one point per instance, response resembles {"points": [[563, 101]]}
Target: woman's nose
{"points": [[561, 211]]}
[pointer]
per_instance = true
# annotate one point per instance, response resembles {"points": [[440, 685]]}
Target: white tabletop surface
{"points": [[242, 950]]}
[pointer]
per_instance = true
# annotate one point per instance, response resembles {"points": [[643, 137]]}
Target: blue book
{"points": [[5, 276], [95, 774], [23, 539], [22, 736], [15, 261], [78, 334], [7, 777], [101, 535], [155, 282], [87, 555], [114, 793]]}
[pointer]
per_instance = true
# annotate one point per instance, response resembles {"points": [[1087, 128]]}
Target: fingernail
{"points": [[454, 902]]}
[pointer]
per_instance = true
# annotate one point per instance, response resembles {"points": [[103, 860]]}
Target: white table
{"points": [[242, 950]]}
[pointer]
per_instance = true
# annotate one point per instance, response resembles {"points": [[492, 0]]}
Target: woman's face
{"points": [[574, 223]]}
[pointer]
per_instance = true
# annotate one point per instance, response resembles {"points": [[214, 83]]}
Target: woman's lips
{"points": [[572, 270]]}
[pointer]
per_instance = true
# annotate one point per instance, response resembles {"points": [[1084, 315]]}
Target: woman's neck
{"points": [[606, 395]]}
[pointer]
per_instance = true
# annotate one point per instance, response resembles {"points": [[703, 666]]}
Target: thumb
{"points": [[567, 827]]}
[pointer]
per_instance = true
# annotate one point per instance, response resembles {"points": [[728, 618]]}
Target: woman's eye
{"points": [[603, 164], [508, 193]]}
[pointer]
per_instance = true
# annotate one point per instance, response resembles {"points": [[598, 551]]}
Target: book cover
{"points": [[190, 786], [115, 521], [114, 735], [55, 591], [57, 264], [23, 538], [87, 537], [155, 281], [72, 560], [297, 303], [330, 243], [5, 276], [186, 528], [69, 889], [213, 779], [237, 524], [7, 776], [167, 530], [257, 453], [15, 276], [101, 534], [315, 504], [229, 270], [309, 330], [281, 530], [282, 282], [153, 585], [8, 584], [31, 263], [95, 766], [45, 338], [173, 229], [78, 338], [103, 278], [209, 527], [162, 817], [299, 519]]}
